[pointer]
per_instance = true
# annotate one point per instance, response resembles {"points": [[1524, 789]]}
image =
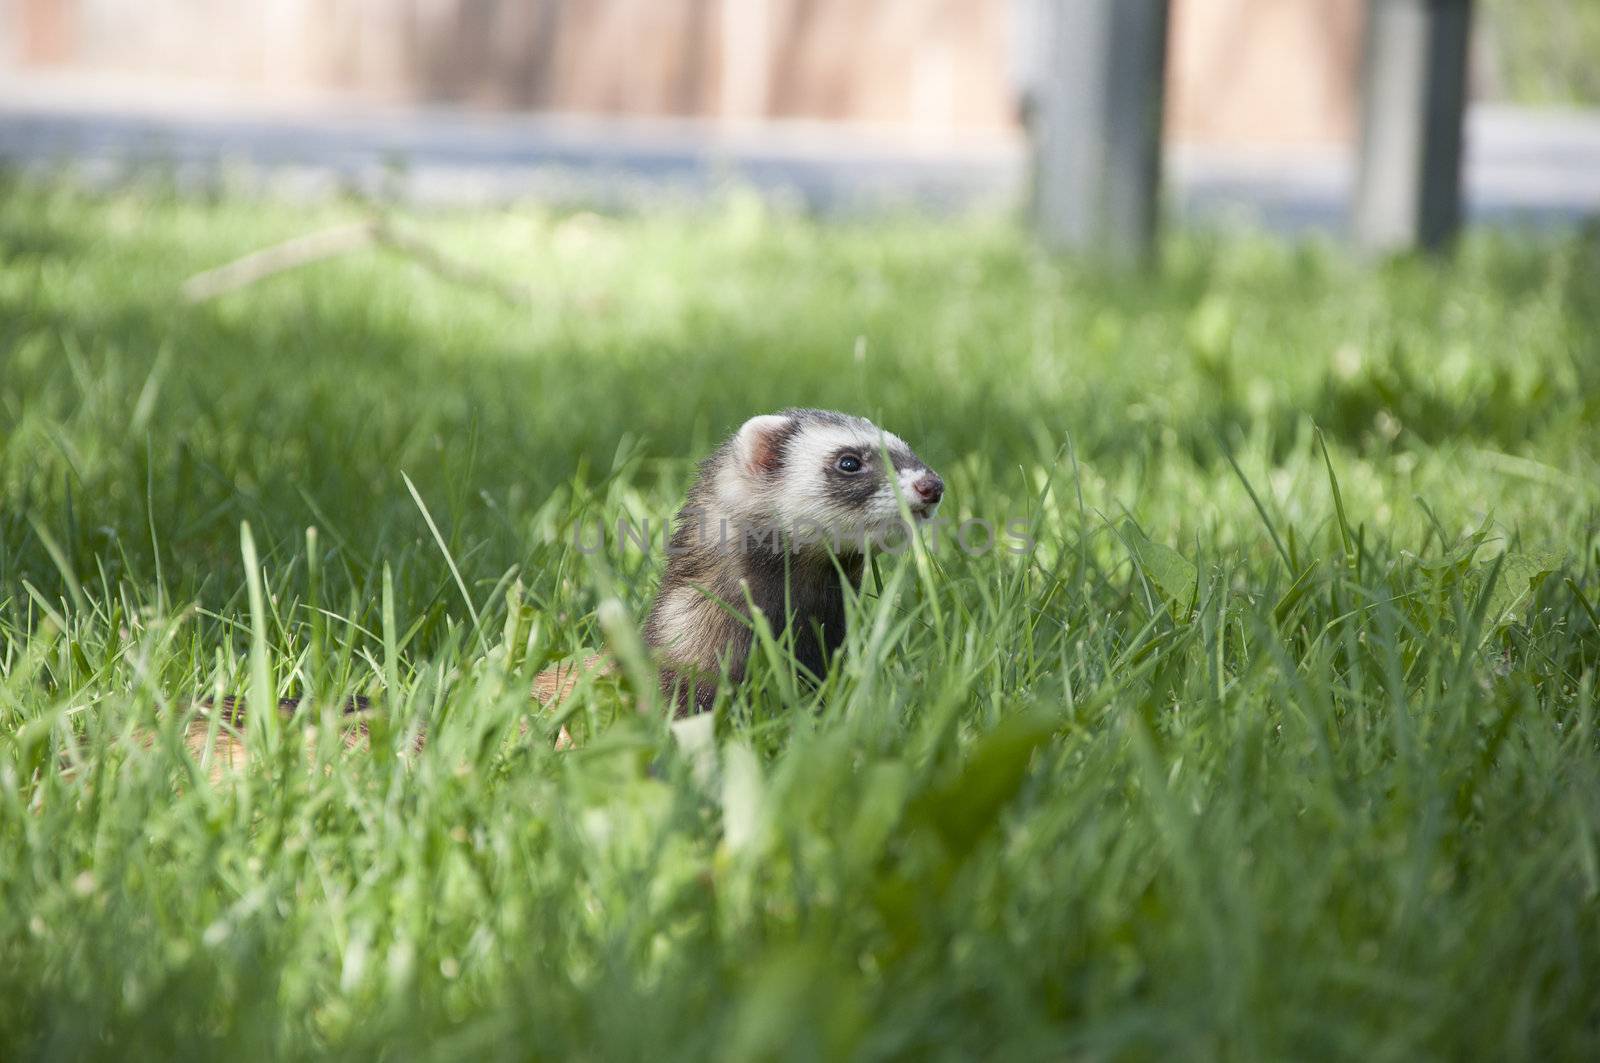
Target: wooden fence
{"points": [[1265, 70]]}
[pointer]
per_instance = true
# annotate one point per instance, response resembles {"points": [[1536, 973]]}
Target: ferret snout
{"points": [[929, 487]]}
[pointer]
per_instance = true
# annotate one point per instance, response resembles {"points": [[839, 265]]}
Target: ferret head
{"points": [[823, 477]]}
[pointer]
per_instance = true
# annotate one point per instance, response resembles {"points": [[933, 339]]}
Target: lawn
{"points": [[1280, 742]]}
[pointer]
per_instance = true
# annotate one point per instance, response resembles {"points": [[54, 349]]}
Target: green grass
{"points": [[1232, 765], [1541, 52]]}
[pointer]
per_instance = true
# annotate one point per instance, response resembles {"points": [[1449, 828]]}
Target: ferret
{"points": [[778, 518]]}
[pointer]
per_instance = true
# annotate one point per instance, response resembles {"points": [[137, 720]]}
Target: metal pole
{"points": [[1414, 95], [1095, 124]]}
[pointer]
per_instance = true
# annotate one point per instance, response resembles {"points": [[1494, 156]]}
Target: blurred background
{"points": [[837, 101]]}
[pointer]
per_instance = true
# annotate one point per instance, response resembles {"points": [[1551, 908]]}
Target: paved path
{"points": [[1532, 167]]}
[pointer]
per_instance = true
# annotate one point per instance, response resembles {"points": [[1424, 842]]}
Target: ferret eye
{"points": [[849, 463]]}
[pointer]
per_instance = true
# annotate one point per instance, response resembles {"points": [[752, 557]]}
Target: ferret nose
{"points": [[929, 487]]}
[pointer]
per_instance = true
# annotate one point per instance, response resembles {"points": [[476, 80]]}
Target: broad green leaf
{"points": [[964, 809], [1170, 571], [1520, 573]]}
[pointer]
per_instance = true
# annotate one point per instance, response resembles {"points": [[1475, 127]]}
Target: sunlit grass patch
{"points": [[1278, 742]]}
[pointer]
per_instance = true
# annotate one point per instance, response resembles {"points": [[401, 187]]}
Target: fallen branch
{"points": [[291, 254], [447, 266], [340, 240]]}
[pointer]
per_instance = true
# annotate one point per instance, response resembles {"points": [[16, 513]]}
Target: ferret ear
{"points": [[759, 444]]}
